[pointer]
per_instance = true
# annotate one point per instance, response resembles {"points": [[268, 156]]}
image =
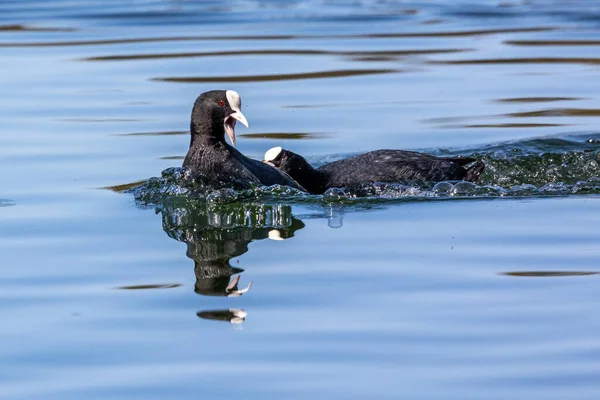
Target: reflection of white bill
{"points": [[238, 312], [274, 234], [239, 315]]}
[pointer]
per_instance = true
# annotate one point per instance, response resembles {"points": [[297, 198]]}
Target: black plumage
{"points": [[215, 162], [374, 166]]}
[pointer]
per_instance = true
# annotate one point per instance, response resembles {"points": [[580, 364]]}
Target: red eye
{"points": [[221, 103]]}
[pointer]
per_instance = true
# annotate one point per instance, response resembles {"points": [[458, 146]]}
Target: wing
{"points": [[391, 166]]}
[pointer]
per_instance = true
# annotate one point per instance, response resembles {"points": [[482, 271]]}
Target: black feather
{"points": [[377, 166]]}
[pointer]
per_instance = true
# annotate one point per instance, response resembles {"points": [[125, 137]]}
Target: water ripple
{"points": [[426, 34], [537, 99], [151, 286], [278, 77], [282, 52], [549, 274], [6, 203], [553, 42], [26, 28], [521, 60]]}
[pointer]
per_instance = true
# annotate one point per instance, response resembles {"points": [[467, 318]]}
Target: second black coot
{"points": [[374, 166]]}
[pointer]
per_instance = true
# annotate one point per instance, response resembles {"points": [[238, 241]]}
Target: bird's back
{"points": [[215, 165], [391, 166]]}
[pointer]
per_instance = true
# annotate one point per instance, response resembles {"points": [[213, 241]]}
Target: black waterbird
{"points": [[372, 167], [210, 158]]}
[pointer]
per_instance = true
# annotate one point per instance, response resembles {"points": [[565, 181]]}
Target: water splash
{"points": [[175, 188], [541, 167]]}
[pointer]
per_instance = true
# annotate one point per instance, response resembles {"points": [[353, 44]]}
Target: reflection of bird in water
{"points": [[212, 268], [215, 234], [233, 315]]}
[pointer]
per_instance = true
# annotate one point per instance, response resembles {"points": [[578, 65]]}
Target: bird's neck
{"points": [[206, 132], [313, 180], [204, 138]]}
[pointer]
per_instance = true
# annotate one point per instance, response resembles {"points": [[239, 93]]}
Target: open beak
{"points": [[230, 124]]}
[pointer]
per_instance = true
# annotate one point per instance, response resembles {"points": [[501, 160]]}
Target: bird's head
{"points": [[216, 112], [287, 161]]}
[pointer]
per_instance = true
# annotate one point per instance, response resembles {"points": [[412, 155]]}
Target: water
{"points": [[457, 291]]}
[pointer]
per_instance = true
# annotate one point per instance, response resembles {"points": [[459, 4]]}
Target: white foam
{"points": [[272, 154]]}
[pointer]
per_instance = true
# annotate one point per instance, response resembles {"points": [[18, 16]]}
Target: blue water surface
{"points": [[451, 297]]}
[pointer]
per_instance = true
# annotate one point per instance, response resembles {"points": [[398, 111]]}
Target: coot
{"points": [[374, 166], [214, 161]]}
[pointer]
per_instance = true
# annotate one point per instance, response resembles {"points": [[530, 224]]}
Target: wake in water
{"points": [[555, 166]]}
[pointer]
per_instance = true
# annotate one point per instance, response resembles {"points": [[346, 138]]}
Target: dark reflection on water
{"points": [[440, 34], [215, 234], [257, 135], [458, 33], [522, 60], [537, 99], [278, 77], [103, 42], [558, 112], [553, 42], [233, 315], [25, 28], [6, 203], [544, 274], [285, 135], [507, 125], [151, 286], [544, 113], [390, 53]]}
